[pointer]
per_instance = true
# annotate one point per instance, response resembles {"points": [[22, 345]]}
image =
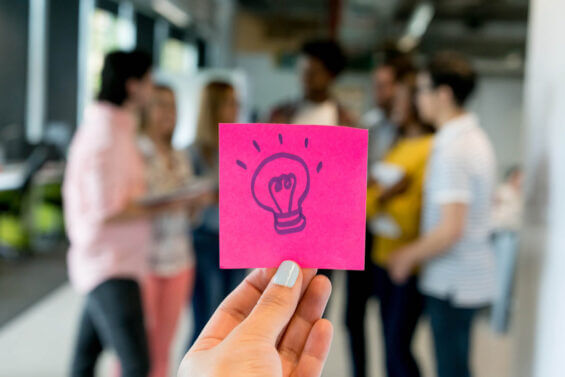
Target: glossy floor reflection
{"points": [[39, 342]]}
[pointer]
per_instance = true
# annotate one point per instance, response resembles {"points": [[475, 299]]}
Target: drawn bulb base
{"points": [[290, 222]]}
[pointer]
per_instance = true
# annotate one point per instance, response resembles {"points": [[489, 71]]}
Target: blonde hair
{"points": [[214, 96]]}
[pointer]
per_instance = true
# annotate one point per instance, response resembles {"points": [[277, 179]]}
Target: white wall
{"points": [[267, 84], [540, 313], [498, 102]]}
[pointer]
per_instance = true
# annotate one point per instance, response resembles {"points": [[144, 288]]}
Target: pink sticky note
{"points": [[292, 192]]}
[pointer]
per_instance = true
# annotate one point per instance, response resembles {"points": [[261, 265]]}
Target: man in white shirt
{"points": [[457, 274]]}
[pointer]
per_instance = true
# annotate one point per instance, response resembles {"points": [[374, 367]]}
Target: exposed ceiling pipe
{"points": [[416, 28], [172, 12], [335, 17]]}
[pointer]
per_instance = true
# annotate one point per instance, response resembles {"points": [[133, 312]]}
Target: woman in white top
{"points": [[171, 259]]}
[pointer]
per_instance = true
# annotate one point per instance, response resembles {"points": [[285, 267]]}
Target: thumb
{"points": [[276, 305]]}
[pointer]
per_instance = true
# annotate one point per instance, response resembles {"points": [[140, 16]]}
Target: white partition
{"points": [[540, 312]]}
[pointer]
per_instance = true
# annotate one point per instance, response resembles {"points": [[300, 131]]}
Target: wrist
{"points": [[413, 255]]}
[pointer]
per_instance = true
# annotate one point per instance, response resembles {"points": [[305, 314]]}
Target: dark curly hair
{"points": [[328, 52]]}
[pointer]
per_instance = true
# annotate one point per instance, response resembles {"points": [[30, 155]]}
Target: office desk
{"points": [[12, 176]]}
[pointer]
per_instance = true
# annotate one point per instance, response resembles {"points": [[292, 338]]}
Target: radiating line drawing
{"points": [[280, 184]]}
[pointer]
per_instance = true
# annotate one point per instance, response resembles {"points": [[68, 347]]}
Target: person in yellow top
{"points": [[393, 206], [394, 200]]}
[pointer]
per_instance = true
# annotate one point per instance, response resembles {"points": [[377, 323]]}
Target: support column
{"points": [[539, 325], [62, 62], [13, 76]]}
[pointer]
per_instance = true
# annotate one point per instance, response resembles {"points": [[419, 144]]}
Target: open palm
{"points": [[265, 329]]}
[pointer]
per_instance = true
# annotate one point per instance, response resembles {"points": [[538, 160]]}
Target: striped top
{"points": [[461, 170]]}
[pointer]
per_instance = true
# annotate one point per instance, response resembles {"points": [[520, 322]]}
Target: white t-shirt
{"points": [[461, 169], [324, 113]]}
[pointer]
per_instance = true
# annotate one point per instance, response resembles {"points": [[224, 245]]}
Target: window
{"points": [[103, 39], [178, 57]]}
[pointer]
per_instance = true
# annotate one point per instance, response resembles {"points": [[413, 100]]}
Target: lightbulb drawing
{"points": [[280, 184]]}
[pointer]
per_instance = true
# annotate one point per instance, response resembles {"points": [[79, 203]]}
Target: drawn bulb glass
{"points": [[279, 185]]}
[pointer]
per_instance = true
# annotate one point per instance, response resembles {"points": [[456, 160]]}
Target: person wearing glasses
{"points": [[457, 263]]}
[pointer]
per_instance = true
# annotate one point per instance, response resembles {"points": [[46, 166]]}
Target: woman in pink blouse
{"points": [[108, 231]]}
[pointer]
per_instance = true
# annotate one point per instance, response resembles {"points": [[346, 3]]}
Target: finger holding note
{"points": [[268, 326], [294, 194]]}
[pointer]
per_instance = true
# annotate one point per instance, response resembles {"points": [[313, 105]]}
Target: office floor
{"points": [[39, 341], [20, 287]]}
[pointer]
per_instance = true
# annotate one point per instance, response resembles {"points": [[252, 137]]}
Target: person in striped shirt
{"points": [[457, 264]]}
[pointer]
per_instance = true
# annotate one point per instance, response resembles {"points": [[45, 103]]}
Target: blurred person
{"points": [[320, 63], [108, 232], [270, 325], [382, 135], [394, 203], [454, 250], [382, 131], [508, 203], [171, 258], [219, 104], [507, 221]]}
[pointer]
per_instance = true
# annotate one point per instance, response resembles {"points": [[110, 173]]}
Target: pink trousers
{"points": [[164, 298]]}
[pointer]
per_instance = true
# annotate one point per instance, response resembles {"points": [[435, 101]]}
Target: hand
{"points": [[401, 265], [207, 198], [188, 202], [270, 325]]}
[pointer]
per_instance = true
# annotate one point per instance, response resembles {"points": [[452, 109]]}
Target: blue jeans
{"points": [[506, 252], [401, 306], [211, 284], [451, 329], [359, 288]]}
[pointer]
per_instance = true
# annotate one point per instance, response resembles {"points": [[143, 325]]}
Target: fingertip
{"points": [[321, 287], [326, 281], [316, 349], [320, 339]]}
